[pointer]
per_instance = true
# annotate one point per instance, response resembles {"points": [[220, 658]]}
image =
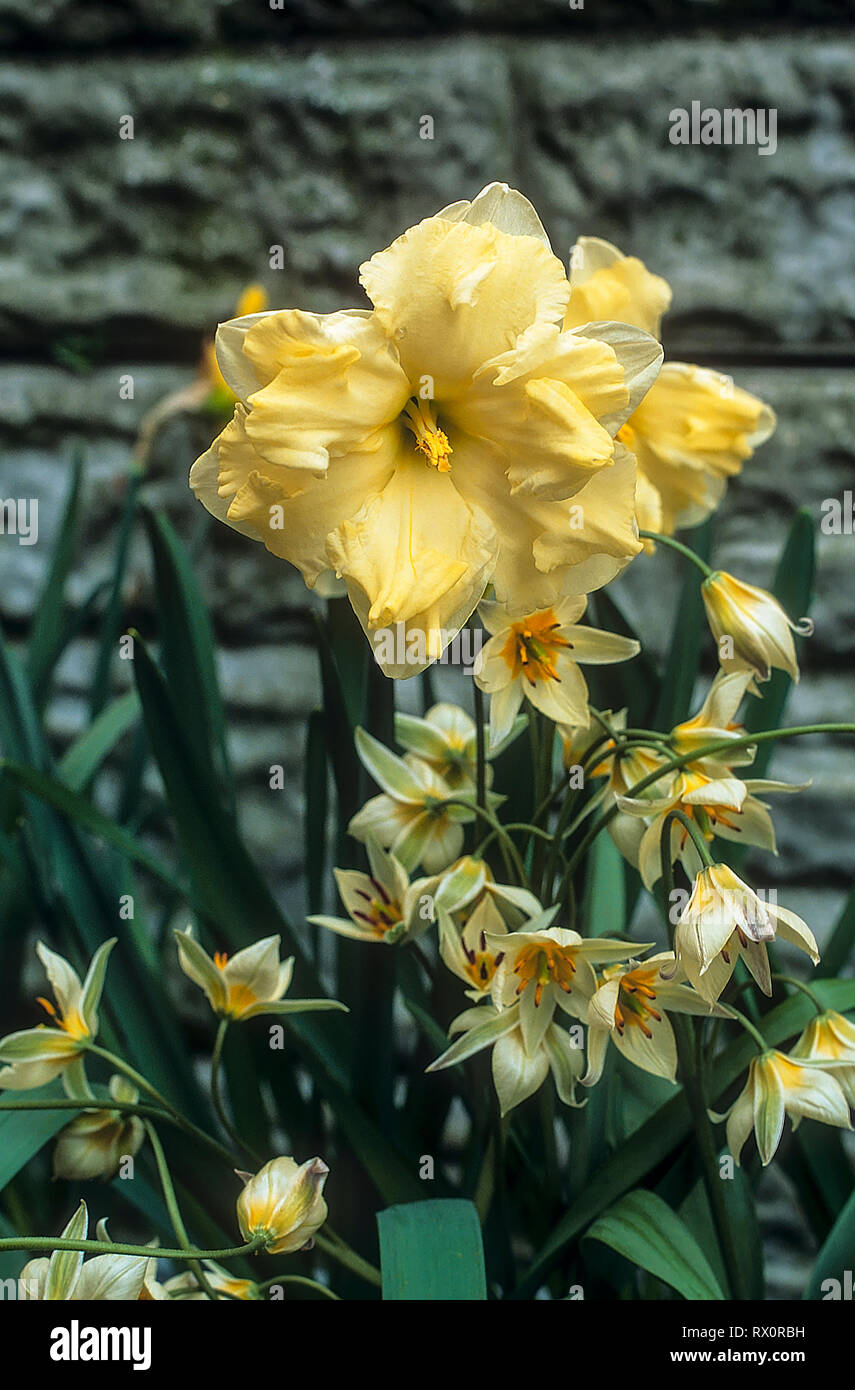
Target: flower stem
{"points": [[480, 749], [708, 749], [173, 1208], [109, 1247], [176, 1116], [337, 1249], [216, 1095], [749, 1027], [298, 1279], [684, 550], [805, 989]]}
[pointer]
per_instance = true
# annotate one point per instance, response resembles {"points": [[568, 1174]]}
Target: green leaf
{"points": [[315, 816], [47, 635], [111, 622], [24, 1132], [83, 759], [432, 1251], [793, 588], [604, 897], [837, 1255], [644, 1229], [187, 647], [841, 943], [689, 633]]}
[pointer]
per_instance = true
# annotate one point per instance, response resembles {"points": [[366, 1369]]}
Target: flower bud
{"points": [[756, 625], [284, 1203]]}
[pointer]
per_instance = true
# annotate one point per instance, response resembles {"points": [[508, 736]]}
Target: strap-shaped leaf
{"points": [[836, 1256], [644, 1229], [432, 1251]]}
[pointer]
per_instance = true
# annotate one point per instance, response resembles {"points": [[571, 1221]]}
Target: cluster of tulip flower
{"points": [[494, 440]]}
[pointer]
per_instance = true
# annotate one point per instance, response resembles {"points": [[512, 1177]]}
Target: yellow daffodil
{"points": [[66, 1277], [220, 398], [544, 968], [694, 429], [250, 983], [37, 1055], [830, 1038], [778, 1086], [96, 1141], [517, 1070], [452, 436], [706, 790], [751, 629], [383, 906], [284, 1203], [410, 815], [725, 919], [631, 1007], [535, 656]]}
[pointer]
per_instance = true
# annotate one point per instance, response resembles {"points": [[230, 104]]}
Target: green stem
{"points": [[504, 839], [109, 1247], [216, 1095], [805, 989], [177, 1117], [684, 550], [168, 1189], [693, 830], [708, 749], [337, 1249], [298, 1279], [749, 1028]]}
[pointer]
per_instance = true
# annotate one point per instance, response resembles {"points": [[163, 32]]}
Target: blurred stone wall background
{"points": [[300, 127]]}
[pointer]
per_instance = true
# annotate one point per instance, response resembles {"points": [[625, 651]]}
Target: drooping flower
{"points": [[706, 790], [66, 1277], [442, 440], [830, 1038], [95, 1142], [411, 815], [630, 1008], [694, 429], [751, 629], [778, 1086], [37, 1055], [186, 1286], [250, 983], [384, 907], [536, 656], [725, 919], [284, 1203], [518, 1071]]}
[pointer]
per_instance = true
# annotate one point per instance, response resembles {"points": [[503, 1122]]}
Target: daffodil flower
{"points": [[411, 815], [283, 1202], [706, 790], [37, 1055], [694, 429], [544, 968], [446, 439], [630, 1008], [535, 656], [383, 906], [778, 1086], [723, 920], [830, 1039], [67, 1278], [751, 629], [250, 983], [96, 1141], [518, 1071]]}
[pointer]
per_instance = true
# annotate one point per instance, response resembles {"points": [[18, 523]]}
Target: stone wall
{"points": [[300, 127]]}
